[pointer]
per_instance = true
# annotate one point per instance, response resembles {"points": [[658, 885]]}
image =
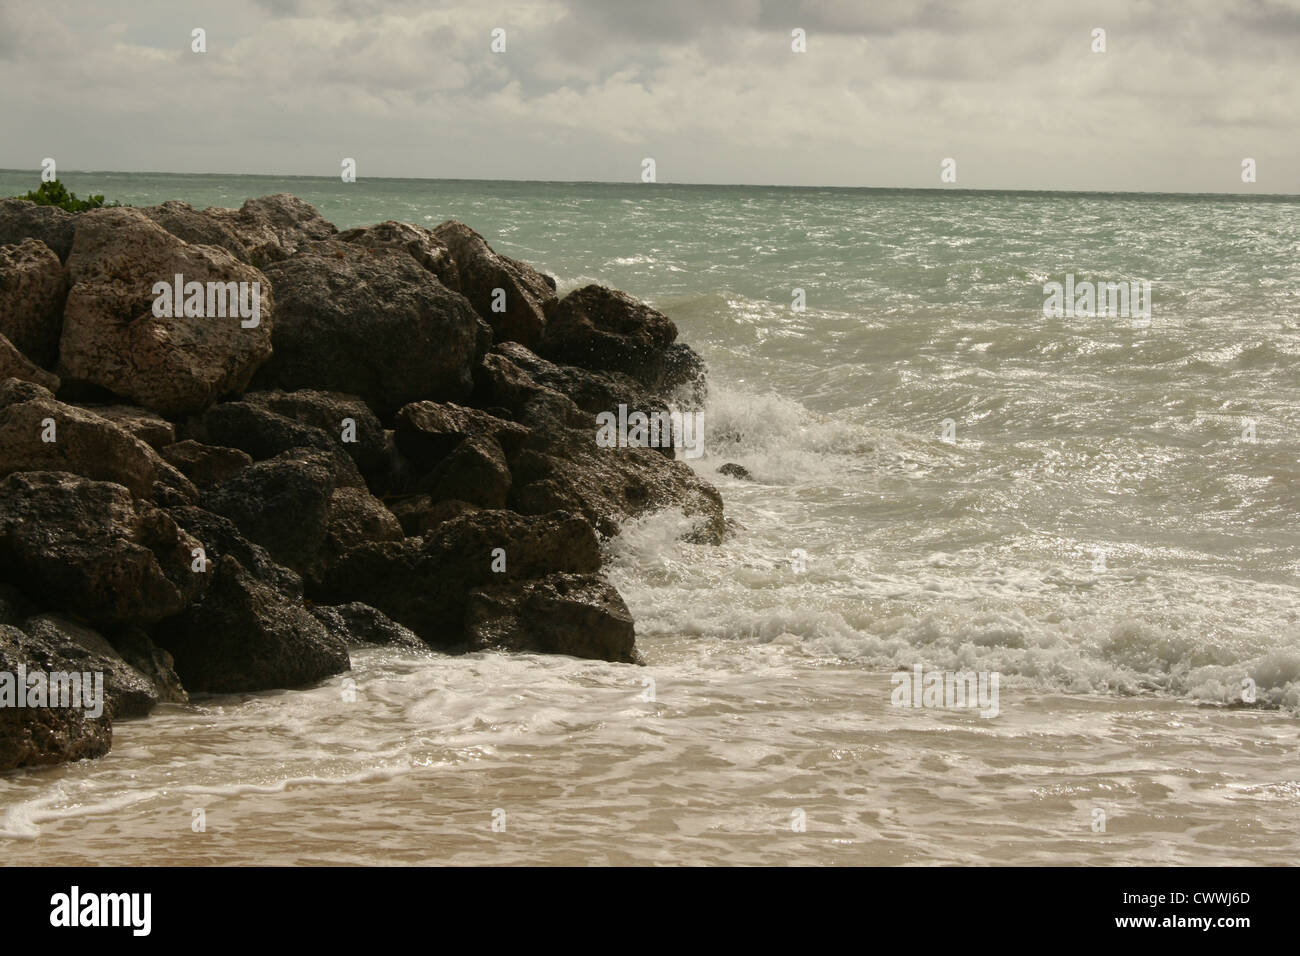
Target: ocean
{"points": [[1099, 509]]}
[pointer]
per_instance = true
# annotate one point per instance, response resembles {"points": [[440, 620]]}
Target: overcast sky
{"points": [[1011, 89]]}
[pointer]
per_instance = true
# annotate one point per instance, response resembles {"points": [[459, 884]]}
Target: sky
{"points": [[711, 90]]}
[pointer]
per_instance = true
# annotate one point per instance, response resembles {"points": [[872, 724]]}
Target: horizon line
{"points": [[621, 182]]}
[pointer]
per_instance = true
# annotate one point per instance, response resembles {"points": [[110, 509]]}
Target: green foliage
{"points": [[56, 194]]}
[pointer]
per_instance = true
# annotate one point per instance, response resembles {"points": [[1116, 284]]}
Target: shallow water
{"points": [[1102, 534]]}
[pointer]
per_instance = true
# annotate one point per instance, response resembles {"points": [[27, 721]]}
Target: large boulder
{"points": [[346, 420], [370, 323], [127, 692], [423, 583], [272, 228], [83, 443], [41, 736], [138, 649], [14, 364], [422, 245], [245, 636], [606, 330], [197, 227], [220, 538], [577, 614], [205, 465], [23, 219], [88, 548], [175, 365], [427, 432], [154, 430], [283, 504], [357, 623], [561, 466], [254, 428], [528, 296], [355, 517], [33, 289]]}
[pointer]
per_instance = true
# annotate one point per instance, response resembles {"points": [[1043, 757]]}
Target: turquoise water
{"points": [[1112, 529]]}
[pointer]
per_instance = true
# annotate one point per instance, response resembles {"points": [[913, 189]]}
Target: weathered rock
{"points": [[529, 298], [22, 219], [685, 378], [272, 228], [420, 514], [84, 443], [562, 468], [33, 289], [355, 517], [606, 330], [206, 465], [256, 429], [358, 623], [345, 419], [14, 606], [427, 432], [197, 227], [14, 364], [423, 245], [41, 736], [154, 663], [244, 636], [423, 583], [219, 538], [475, 472], [127, 692], [283, 504], [88, 549], [735, 471], [154, 430], [111, 337], [577, 614], [370, 323]]}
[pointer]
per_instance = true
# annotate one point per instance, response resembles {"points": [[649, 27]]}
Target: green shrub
{"points": [[56, 194]]}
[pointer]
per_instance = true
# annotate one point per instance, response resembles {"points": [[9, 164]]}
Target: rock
{"points": [[127, 692], [363, 439], [206, 465], [154, 663], [154, 430], [529, 298], [14, 364], [370, 323], [606, 330], [112, 339], [562, 468], [14, 607], [219, 537], [256, 429], [197, 227], [22, 219], [33, 289], [420, 514], [685, 378], [576, 614], [272, 228], [244, 636], [41, 736], [423, 583], [358, 623], [476, 473], [282, 504], [355, 517], [736, 471], [84, 443], [422, 245], [85, 547], [427, 432]]}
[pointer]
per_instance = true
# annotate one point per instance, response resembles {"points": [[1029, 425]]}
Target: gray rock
{"points": [[22, 219], [33, 290]]}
